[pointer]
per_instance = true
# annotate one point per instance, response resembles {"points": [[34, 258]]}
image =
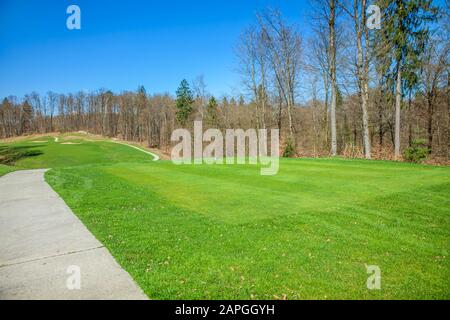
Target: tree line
{"points": [[346, 89]]}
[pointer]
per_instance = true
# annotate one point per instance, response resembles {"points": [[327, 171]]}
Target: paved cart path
{"points": [[43, 245]]}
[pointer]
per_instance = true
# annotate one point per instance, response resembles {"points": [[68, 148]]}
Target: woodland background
{"points": [[346, 90]]}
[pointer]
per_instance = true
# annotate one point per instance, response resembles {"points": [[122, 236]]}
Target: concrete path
{"points": [[43, 248]]}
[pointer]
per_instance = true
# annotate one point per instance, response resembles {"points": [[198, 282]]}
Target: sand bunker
{"points": [[70, 143]]}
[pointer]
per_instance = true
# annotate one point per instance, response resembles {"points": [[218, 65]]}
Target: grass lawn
{"points": [[226, 232], [71, 150]]}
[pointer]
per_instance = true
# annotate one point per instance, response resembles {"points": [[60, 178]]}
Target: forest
{"points": [[350, 88]]}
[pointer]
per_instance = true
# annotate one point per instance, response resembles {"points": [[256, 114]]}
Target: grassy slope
{"points": [[80, 152], [227, 232], [6, 169]]}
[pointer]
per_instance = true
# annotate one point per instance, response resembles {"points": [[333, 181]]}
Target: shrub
{"points": [[417, 153], [289, 150]]}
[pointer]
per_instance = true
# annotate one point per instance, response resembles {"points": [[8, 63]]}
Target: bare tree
{"points": [[326, 17], [356, 9], [201, 95], [319, 66], [252, 54], [334, 89], [433, 77], [283, 43], [52, 102]]}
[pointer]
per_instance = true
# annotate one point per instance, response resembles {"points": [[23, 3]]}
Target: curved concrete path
{"points": [[43, 248]]}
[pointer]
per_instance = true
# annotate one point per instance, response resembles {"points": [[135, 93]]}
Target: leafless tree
{"points": [[284, 47], [356, 9]]}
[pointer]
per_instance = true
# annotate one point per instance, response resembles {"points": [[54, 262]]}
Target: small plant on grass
{"points": [[417, 153]]}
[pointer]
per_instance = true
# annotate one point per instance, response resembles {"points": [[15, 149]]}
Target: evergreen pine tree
{"points": [[27, 115], [211, 112], [404, 31], [184, 102]]}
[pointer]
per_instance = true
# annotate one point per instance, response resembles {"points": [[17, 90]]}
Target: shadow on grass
{"points": [[9, 155]]}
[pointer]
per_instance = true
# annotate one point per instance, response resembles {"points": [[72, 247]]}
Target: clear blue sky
{"points": [[123, 44]]}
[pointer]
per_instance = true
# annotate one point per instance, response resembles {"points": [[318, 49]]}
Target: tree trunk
{"points": [[333, 78], [263, 95], [430, 112], [291, 124], [398, 104], [380, 119], [325, 114], [363, 72], [280, 112], [448, 115], [367, 145]]}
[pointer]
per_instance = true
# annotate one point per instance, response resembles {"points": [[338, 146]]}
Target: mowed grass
{"points": [[72, 150], [226, 232], [4, 169]]}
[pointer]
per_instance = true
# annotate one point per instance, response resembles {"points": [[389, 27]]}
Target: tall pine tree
{"points": [[184, 102], [404, 31], [212, 112]]}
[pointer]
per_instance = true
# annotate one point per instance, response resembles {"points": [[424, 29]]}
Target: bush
{"points": [[417, 153], [289, 150]]}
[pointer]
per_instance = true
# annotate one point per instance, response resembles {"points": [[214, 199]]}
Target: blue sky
{"points": [[123, 44]]}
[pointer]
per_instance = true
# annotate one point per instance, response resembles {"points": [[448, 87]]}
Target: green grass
{"points": [[4, 169], [226, 232], [79, 151]]}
